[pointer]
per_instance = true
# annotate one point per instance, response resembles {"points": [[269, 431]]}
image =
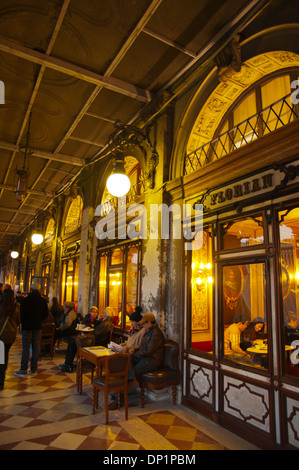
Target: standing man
{"points": [[34, 310]]}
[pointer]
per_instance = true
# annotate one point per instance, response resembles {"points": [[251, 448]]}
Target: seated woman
{"points": [[102, 328], [254, 332]]}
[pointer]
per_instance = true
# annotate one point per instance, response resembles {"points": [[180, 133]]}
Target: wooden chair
{"points": [[47, 338], [82, 364], [167, 375], [115, 380]]}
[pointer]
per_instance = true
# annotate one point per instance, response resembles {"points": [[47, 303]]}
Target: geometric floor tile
{"points": [[45, 412]]}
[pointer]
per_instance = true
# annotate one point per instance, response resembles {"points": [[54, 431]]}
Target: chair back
{"points": [[85, 341], [171, 353], [48, 331], [117, 365]]}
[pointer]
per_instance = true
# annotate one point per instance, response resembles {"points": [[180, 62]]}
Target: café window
{"points": [[202, 281], [289, 292], [242, 233], [69, 284], [244, 314], [118, 282]]}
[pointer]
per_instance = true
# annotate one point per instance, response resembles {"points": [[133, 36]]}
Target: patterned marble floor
{"points": [[45, 412]]}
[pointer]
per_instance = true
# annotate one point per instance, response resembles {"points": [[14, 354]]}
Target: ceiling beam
{"points": [[114, 84], [58, 157], [36, 192]]}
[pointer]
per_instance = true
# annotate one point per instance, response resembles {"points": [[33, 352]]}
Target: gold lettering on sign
{"points": [[242, 189]]}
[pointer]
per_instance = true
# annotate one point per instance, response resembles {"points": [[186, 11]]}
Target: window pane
{"points": [[201, 295], [243, 233], [102, 283], [63, 282], [131, 279], [117, 256], [115, 293], [289, 249], [244, 310]]}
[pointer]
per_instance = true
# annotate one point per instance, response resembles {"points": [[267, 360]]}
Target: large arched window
{"points": [[246, 106]]}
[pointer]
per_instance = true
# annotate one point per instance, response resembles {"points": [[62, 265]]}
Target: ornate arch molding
{"points": [[198, 128]]}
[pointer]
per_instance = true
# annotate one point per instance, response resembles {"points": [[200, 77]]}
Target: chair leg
{"points": [[126, 402], [174, 394], [94, 399], [107, 406], [142, 395]]}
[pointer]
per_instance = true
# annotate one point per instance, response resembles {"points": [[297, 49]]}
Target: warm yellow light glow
{"points": [[37, 238], [118, 184], [14, 254]]}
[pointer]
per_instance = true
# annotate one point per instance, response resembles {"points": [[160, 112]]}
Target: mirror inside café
{"points": [[289, 270], [244, 314]]}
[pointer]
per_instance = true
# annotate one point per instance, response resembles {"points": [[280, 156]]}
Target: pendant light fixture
{"points": [[37, 238], [23, 174], [118, 183], [14, 254]]}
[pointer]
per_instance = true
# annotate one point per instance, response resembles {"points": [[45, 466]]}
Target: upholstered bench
{"points": [[167, 375]]}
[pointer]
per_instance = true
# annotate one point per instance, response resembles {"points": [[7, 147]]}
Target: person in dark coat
{"points": [[149, 356], [34, 310], [102, 330], [9, 321], [57, 312]]}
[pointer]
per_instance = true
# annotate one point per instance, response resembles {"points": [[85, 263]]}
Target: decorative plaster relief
{"points": [[201, 383], [293, 421], [247, 402]]}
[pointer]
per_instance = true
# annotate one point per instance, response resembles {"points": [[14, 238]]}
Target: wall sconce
{"points": [[118, 183], [14, 254], [204, 276]]}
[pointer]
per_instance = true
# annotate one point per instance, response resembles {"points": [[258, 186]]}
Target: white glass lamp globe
{"points": [[37, 238], [118, 184], [14, 254]]}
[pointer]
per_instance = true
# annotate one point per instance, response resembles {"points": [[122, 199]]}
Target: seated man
{"points": [[150, 354], [102, 329], [69, 321], [147, 358], [232, 340], [135, 334]]}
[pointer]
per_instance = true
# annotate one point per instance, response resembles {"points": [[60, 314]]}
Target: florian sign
{"points": [[159, 222], [243, 190]]}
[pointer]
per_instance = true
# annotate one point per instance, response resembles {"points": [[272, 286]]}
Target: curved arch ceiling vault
{"points": [[233, 84]]}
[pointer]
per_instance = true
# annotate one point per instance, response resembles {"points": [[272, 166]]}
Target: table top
{"points": [[97, 351], [85, 328], [264, 349]]}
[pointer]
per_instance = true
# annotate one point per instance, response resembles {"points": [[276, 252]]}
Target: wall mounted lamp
{"points": [[118, 183]]}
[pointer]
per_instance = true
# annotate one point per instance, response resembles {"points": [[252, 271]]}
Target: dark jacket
{"points": [[9, 321], [34, 310], [102, 332], [152, 345]]}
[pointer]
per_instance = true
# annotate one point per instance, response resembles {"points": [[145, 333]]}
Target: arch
{"points": [[50, 229], [73, 218], [213, 100]]}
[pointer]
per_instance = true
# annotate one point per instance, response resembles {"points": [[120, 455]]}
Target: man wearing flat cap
{"points": [[34, 309], [136, 332], [150, 354]]}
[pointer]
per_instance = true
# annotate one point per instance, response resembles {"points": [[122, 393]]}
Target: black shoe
{"points": [[67, 369], [61, 366]]}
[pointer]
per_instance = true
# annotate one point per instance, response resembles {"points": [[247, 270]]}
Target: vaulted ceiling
{"points": [[77, 66]]}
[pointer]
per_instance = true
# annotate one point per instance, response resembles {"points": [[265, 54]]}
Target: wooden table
{"points": [[94, 354]]}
